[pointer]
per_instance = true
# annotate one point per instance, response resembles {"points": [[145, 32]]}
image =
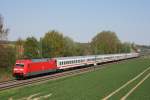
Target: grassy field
{"points": [[90, 86]]}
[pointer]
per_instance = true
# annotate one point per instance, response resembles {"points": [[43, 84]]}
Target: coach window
{"points": [[70, 61]]}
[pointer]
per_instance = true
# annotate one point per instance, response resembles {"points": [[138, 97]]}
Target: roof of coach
{"points": [[34, 60], [75, 57], [40, 60], [89, 56]]}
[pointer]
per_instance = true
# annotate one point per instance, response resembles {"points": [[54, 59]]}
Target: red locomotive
{"points": [[24, 68]]}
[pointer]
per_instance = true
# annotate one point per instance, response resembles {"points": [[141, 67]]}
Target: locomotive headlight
{"points": [[15, 69], [20, 69]]}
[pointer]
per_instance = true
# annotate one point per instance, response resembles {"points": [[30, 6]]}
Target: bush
{"points": [[7, 56]]}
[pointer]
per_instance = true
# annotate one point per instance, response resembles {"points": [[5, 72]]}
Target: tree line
{"points": [[55, 44]]}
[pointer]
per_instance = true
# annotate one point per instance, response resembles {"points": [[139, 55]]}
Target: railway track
{"points": [[9, 81], [18, 83]]}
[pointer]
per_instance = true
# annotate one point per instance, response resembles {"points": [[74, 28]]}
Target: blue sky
{"points": [[79, 19]]}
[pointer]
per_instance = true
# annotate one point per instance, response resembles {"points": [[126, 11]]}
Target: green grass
{"points": [[125, 90], [142, 92], [89, 86]]}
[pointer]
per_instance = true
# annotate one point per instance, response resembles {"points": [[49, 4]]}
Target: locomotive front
{"points": [[19, 70]]}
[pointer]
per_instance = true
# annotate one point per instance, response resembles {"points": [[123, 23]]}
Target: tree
{"points": [[79, 48], [19, 48], [105, 42], [134, 47], [69, 47], [53, 44], [126, 47], [7, 50], [3, 31], [7, 55], [31, 48]]}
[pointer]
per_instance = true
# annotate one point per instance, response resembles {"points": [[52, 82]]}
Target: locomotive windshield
{"points": [[19, 65]]}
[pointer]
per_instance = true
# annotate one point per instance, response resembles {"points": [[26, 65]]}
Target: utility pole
{"points": [[41, 48]]}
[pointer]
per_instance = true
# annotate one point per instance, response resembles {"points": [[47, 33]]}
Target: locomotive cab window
{"points": [[19, 65]]}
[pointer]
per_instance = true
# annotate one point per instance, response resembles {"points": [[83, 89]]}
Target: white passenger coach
{"points": [[69, 62]]}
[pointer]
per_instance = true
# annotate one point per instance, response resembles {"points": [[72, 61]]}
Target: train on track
{"points": [[30, 67]]}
